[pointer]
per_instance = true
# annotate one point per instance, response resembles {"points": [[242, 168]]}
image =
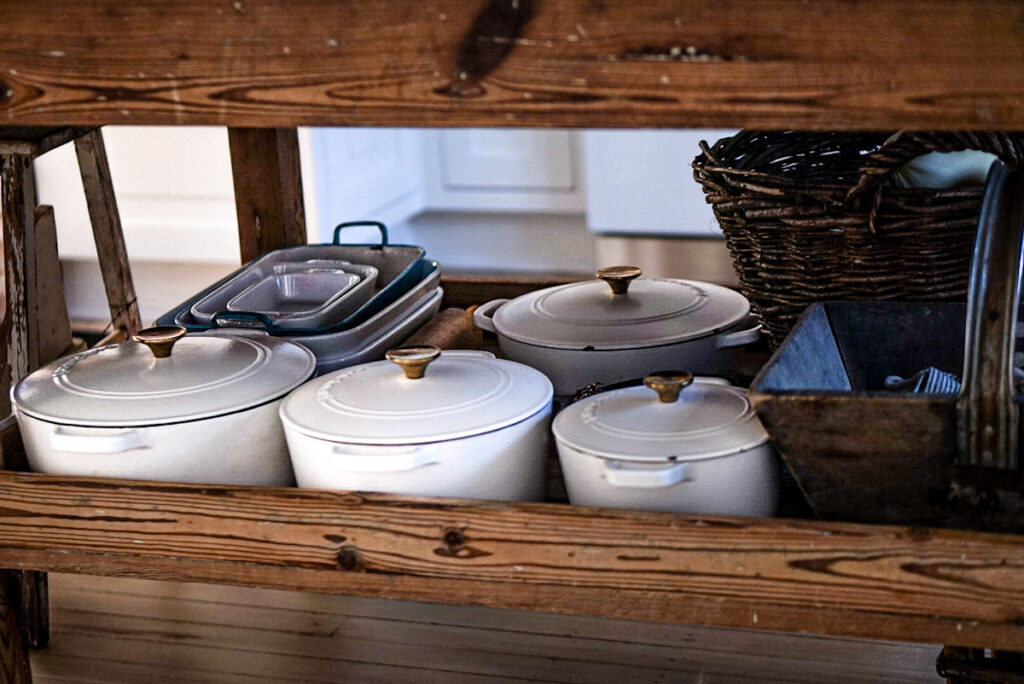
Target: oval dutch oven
{"points": [[605, 332], [469, 425], [165, 406], [676, 443]]}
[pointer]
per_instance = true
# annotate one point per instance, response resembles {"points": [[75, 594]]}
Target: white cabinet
{"points": [[641, 183], [362, 174], [502, 170]]}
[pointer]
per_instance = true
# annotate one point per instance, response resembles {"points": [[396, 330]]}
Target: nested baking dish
{"points": [[300, 295]]}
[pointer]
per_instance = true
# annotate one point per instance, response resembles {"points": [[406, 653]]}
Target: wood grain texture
{"points": [[876, 64], [34, 141], [14, 662], [822, 578], [18, 214], [35, 608], [107, 233], [268, 189], [50, 317], [184, 632]]}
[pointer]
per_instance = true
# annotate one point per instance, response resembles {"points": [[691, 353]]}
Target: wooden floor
{"points": [[117, 630]]}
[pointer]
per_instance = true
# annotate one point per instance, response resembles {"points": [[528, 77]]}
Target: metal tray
{"points": [[399, 267]]}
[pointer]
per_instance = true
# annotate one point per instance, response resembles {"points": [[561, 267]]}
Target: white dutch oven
{"points": [[590, 332], [470, 425], [676, 444], [206, 412]]}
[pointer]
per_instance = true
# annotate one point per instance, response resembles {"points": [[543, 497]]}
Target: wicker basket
{"points": [[811, 217]]}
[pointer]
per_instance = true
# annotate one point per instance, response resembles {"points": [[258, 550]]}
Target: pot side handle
{"points": [[735, 338], [114, 442], [620, 474], [384, 459], [483, 316]]}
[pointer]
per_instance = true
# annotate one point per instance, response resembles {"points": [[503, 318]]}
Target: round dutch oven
{"points": [[204, 411], [676, 443], [589, 332], [469, 425]]}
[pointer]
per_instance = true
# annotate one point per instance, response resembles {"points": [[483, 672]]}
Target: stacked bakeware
{"points": [[346, 303]]}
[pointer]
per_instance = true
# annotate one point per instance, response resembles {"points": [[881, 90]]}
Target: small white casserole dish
{"points": [[469, 426], [205, 412], [677, 443]]}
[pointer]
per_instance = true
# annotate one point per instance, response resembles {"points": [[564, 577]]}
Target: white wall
{"points": [[517, 201]]}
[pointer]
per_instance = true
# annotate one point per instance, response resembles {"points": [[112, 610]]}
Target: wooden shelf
{"points": [[887, 582], [274, 64], [828, 64]]}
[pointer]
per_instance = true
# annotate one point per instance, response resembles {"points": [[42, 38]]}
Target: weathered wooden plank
{"points": [[934, 586], [50, 316], [14, 662], [18, 214], [268, 189], [35, 608], [34, 141], [226, 624], [680, 63], [107, 233]]}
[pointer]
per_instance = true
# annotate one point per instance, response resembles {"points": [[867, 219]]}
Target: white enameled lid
{"points": [[461, 393], [125, 384], [651, 312], [710, 418]]}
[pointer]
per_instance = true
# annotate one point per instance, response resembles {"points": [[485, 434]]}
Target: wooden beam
{"points": [[34, 605], [14, 662], [34, 141], [106, 231], [268, 189], [897, 583], [874, 64], [18, 215], [50, 312]]}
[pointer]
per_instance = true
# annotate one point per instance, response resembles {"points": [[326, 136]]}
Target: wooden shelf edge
{"points": [[661, 63], [839, 579]]}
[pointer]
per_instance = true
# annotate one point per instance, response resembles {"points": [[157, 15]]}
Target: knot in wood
{"points": [[6, 92], [453, 539], [348, 558]]}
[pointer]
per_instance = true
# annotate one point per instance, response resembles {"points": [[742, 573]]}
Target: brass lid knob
{"points": [[668, 384], [413, 360], [160, 339], [618, 277]]}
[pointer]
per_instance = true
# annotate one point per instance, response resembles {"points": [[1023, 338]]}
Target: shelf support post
{"points": [[268, 189], [107, 232]]}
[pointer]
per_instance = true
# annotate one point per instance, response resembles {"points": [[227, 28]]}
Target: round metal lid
{"points": [[645, 313], [460, 394], [129, 384], [710, 418]]}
